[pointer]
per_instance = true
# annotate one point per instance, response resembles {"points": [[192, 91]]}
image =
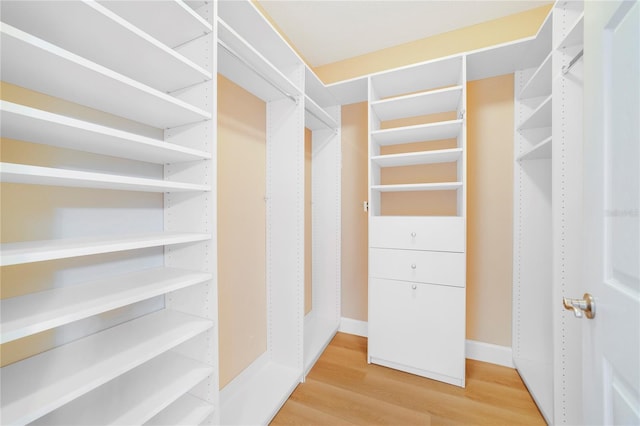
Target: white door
{"points": [[611, 364]]}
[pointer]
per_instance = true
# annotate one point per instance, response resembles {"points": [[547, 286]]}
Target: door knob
{"points": [[580, 307]]}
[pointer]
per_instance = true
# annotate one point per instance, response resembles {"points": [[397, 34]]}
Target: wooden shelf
{"points": [[37, 251], [35, 175], [540, 151], [78, 80], [252, 71], [540, 117], [33, 125], [442, 100], [261, 395], [187, 410], [317, 118], [38, 385], [415, 78], [26, 315], [419, 133], [60, 23], [575, 35], [172, 22], [415, 158], [540, 82], [444, 186], [142, 393]]}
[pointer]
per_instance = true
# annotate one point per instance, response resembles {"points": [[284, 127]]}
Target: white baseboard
{"points": [[479, 351], [488, 352], [351, 326]]}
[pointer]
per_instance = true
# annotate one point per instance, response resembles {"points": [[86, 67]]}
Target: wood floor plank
{"points": [[343, 389]]}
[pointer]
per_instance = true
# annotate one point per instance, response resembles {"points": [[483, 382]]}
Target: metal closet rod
{"points": [[566, 68], [275, 86]]}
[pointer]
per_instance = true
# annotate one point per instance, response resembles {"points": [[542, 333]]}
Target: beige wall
{"points": [[241, 228], [490, 209]]}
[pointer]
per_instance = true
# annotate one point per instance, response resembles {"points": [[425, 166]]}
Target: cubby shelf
{"points": [[37, 251], [172, 22], [34, 387], [540, 117], [32, 313], [33, 125], [35, 175], [415, 158], [79, 80], [442, 100], [418, 133], [142, 393], [187, 410], [243, 64], [444, 186], [541, 150], [94, 20], [540, 82]]}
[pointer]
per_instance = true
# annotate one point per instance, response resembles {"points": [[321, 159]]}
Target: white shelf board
{"points": [[316, 89], [78, 80], [415, 158], [349, 91], [440, 186], [187, 410], [33, 125], [538, 377], [253, 71], [575, 35], [42, 383], [419, 133], [413, 78], [442, 100], [172, 22], [36, 175], [540, 82], [37, 251], [540, 117], [141, 393], [26, 315], [542, 150], [264, 388], [316, 117], [318, 332], [60, 22]]}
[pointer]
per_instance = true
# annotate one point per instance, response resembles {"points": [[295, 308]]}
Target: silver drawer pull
{"points": [[413, 235], [413, 266]]}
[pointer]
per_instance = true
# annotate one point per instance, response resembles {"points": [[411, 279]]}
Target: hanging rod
{"points": [[567, 68], [258, 73], [320, 119]]}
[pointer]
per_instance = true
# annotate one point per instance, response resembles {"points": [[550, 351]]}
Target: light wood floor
{"points": [[343, 389]]}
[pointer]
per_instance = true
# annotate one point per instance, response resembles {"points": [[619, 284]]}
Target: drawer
{"points": [[417, 233], [418, 327], [433, 267]]}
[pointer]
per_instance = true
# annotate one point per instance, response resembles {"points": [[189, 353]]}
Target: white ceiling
{"points": [[326, 31]]}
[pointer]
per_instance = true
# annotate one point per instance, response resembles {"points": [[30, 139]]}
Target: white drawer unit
{"points": [[433, 267], [418, 328], [417, 233], [417, 241]]}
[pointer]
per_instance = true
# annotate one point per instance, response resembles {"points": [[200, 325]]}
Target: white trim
{"points": [[352, 326], [488, 352], [479, 351]]}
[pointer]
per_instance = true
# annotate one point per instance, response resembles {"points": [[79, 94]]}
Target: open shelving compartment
{"points": [[113, 293], [254, 56]]}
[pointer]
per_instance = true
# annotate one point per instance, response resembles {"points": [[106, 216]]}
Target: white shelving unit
{"points": [[254, 56], [131, 312], [547, 188], [406, 306]]}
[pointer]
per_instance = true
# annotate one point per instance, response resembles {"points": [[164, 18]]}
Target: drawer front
{"points": [[418, 266], [421, 326], [417, 233]]}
